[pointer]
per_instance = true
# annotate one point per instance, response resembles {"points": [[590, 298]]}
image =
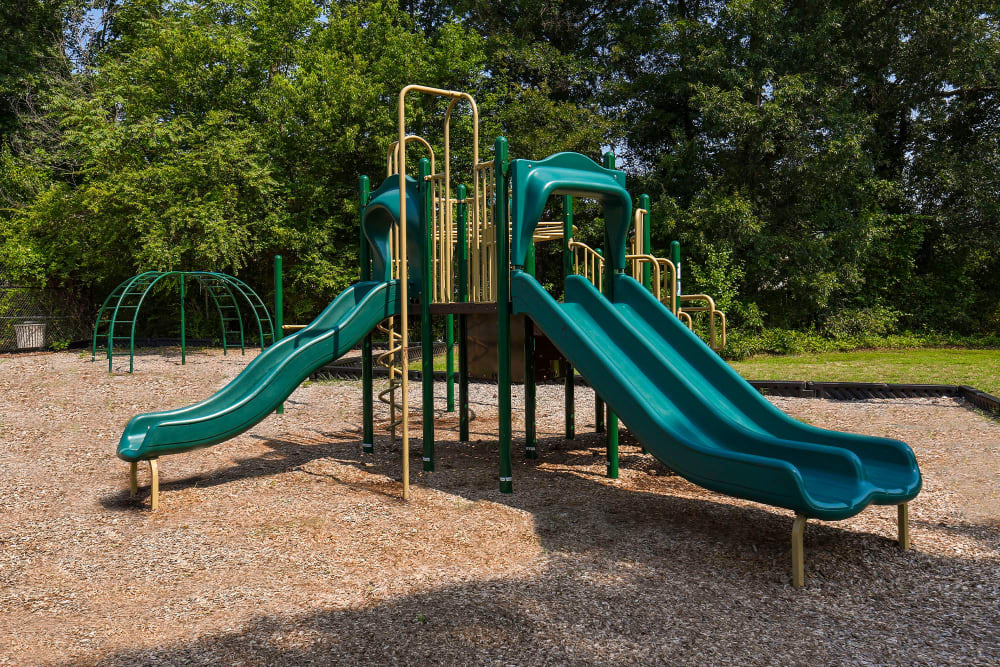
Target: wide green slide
{"points": [[267, 381], [699, 417]]}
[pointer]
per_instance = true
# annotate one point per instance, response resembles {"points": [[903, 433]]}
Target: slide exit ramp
{"points": [[266, 381], [699, 417]]}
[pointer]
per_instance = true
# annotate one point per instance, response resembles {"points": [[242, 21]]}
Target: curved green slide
{"points": [[267, 381], [695, 414]]}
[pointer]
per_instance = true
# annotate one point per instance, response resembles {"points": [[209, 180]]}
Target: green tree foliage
{"points": [[831, 162], [836, 151], [213, 135], [31, 50]]}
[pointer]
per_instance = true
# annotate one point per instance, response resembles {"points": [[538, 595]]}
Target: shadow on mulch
{"points": [[667, 579]]}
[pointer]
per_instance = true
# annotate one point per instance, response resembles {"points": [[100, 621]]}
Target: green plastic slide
{"points": [[266, 382], [695, 414]]}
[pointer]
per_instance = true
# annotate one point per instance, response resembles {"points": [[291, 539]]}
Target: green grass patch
{"points": [[743, 345], [978, 368], [440, 363]]}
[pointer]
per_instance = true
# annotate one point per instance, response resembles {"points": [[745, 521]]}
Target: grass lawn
{"points": [[440, 362], [977, 368]]}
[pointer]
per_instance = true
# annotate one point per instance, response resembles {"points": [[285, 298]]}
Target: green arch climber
{"points": [[116, 320]]}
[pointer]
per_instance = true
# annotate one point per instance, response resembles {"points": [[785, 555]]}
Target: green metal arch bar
{"points": [[123, 290], [250, 295], [239, 315], [218, 308], [114, 316], [197, 275], [135, 316], [104, 306]]}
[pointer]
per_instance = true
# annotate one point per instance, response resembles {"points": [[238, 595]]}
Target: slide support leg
{"points": [[612, 442], [463, 379], [530, 429], [570, 403], [450, 360], [904, 525], [133, 479], [279, 313], [598, 413], [154, 487], [798, 554], [367, 397]]}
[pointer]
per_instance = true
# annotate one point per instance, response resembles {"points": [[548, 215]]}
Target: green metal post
{"points": [[183, 327], [503, 315], [570, 389], [609, 274], [646, 241], [463, 332], [449, 351], [426, 342], [279, 313], [598, 401], [647, 246], [530, 427], [675, 257], [367, 385]]}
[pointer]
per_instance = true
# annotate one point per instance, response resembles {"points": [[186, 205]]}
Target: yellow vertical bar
{"points": [[903, 518], [404, 296], [798, 551]]}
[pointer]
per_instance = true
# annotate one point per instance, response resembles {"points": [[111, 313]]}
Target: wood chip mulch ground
{"points": [[287, 545]]}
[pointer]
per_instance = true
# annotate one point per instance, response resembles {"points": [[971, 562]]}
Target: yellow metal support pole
{"points": [[404, 296], [154, 487], [903, 518], [133, 478], [404, 310], [798, 552]]}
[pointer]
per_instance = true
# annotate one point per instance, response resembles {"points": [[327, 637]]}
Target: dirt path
{"points": [[287, 545]]}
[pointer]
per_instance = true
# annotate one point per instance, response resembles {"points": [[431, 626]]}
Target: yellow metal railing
{"points": [[588, 263], [713, 313], [482, 236]]}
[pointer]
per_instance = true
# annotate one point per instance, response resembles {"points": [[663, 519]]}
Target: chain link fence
{"points": [[34, 318]]}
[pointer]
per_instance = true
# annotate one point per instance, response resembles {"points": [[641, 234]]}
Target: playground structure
{"points": [[117, 318], [620, 325]]}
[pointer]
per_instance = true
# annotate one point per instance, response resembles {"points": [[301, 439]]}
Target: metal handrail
{"points": [[638, 259], [713, 313], [392, 159], [593, 263]]}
